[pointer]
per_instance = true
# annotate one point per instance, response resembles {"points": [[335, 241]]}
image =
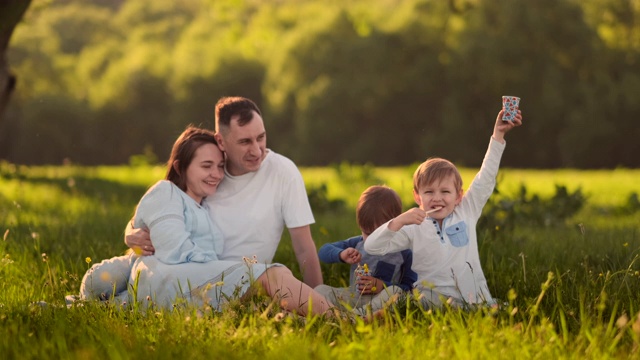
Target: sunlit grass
{"points": [[603, 187], [570, 290]]}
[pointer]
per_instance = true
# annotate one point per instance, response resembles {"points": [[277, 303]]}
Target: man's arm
{"points": [[138, 240], [305, 250]]}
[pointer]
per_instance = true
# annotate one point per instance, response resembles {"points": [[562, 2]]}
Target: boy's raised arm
{"points": [[502, 127]]}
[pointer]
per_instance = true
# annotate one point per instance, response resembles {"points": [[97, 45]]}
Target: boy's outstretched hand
{"points": [[350, 256], [503, 127]]}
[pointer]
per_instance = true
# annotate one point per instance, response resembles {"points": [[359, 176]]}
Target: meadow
{"points": [[559, 248]]}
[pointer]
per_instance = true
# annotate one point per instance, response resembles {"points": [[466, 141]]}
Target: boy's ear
{"points": [[416, 198], [460, 194]]}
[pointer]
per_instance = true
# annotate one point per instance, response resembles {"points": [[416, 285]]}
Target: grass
{"points": [[603, 187], [571, 288]]}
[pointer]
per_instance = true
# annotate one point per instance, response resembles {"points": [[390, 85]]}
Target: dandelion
{"points": [[279, 317], [582, 228], [35, 235], [417, 294], [450, 301], [636, 325], [45, 258], [622, 321], [87, 260], [249, 261], [625, 244], [7, 260]]}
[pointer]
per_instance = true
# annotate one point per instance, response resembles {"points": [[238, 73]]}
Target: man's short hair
{"points": [[230, 106]]}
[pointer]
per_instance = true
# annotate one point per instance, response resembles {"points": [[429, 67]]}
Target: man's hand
{"points": [[139, 241], [350, 256], [368, 285]]}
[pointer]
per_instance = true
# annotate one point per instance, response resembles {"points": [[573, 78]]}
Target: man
{"points": [[261, 193]]}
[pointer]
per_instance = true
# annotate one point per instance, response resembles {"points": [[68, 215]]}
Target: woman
{"points": [[185, 263]]}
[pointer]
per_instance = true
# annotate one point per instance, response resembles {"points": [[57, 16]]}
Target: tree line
{"points": [[381, 82]]}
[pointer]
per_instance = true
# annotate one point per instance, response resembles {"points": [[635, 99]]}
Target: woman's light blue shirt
{"points": [[181, 229]]}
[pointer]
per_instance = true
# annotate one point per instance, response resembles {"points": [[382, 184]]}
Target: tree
{"points": [[11, 11]]}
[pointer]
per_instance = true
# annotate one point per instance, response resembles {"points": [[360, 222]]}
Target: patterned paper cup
{"points": [[510, 105]]}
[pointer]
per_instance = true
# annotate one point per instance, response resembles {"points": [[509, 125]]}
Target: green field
{"points": [[565, 264]]}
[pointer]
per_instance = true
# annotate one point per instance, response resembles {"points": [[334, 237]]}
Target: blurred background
{"points": [[383, 82]]}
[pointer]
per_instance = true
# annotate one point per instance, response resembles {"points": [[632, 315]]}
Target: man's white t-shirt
{"points": [[251, 210]]}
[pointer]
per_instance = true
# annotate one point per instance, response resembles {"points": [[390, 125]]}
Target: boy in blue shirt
{"points": [[390, 274]]}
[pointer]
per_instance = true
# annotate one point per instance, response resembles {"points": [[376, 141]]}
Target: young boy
{"points": [[390, 274], [441, 232]]}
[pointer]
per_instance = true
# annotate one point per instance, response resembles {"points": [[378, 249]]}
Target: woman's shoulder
{"points": [[163, 190], [162, 186]]}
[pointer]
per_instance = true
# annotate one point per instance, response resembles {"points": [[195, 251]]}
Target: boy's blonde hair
{"points": [[435, 170], [377, 205]]}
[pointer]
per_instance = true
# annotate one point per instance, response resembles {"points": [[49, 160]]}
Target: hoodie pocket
{"points": [[457, 234]]}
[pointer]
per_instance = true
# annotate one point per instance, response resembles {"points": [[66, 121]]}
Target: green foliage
{"points": [[320, 202], [350, 173], [144, 159], [632, 205], [503, 215], [380, 82]]}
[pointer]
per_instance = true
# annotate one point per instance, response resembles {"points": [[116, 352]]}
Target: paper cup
{"points": [[510, 105]]}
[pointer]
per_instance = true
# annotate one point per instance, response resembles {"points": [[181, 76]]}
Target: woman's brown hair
{"points": [[184, 150]]}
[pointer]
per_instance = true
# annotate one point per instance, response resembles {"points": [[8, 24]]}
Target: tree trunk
{"points": [[11, 12]]}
